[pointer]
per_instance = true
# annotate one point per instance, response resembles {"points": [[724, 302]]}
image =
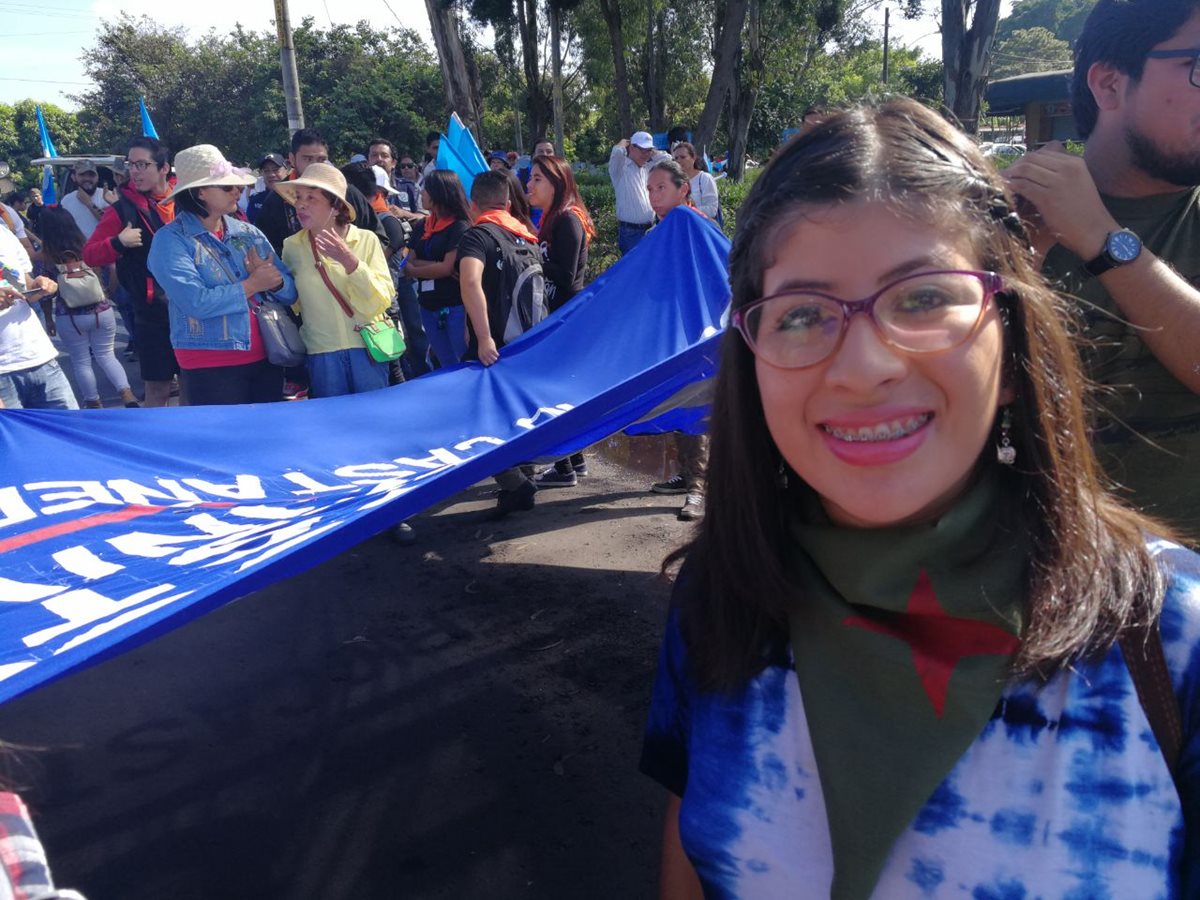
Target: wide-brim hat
{"points": [[205, 166], [323, 176]]}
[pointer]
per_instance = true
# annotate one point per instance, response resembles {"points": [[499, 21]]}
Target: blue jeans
{"points": [[415, 361], [628, 238], [447, 335], [342, 372], [42, 387], [88, 338]]}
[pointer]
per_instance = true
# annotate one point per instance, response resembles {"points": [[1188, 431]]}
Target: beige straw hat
{"points": [[204, 166], [324, 176]]}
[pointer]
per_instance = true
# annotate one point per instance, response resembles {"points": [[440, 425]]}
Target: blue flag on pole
{"points": [[458, 152], [117, 526], [148, 129], [49, 194]]}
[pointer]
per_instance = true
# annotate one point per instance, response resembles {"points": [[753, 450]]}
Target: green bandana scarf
{"points": [[902, 638]]}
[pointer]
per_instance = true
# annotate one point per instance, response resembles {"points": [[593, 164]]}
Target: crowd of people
{"points": [[928, 548], [194, 254]]}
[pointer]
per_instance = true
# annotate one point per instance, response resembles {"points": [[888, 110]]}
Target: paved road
{"points": [[457, 719]]}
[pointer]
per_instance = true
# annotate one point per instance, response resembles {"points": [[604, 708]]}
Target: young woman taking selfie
{"points": [[900, 660]]}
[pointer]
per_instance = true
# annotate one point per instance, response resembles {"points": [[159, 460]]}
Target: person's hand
{"points": [[44, 285], [264, 276], [1060, 187], [110, 196], [130, 236], [488, 353], [330, 243], [8, 296], [623, 143]]}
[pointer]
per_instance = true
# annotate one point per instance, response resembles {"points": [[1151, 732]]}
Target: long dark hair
{"points": [[518, 203], [566, 196], [1090, 574], [61, 238], [446, 195]]}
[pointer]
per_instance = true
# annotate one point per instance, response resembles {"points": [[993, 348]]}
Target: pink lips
{"points": [[874, 453]]}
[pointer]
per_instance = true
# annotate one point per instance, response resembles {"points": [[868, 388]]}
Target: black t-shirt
{"points": [[436, 293], [564, 259], [479, 244]]}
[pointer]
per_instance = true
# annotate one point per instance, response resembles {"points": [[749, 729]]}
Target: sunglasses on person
{"points": [[1192, 52], [923, 313], [408, 165]]}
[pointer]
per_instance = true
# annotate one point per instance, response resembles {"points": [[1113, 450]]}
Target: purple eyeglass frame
{"points": [[992, 283]]}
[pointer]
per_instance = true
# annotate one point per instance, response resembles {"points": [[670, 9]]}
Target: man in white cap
{"points": [[628, 167], [86, 203]]}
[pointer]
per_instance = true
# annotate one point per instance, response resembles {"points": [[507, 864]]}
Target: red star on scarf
{"points": [[938, 641]]}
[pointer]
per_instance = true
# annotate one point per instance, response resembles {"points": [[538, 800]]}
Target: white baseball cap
{"points": [[642, 139], [382, 180]]}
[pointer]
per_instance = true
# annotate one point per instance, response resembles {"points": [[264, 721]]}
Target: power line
{"points": [[48, 81]]}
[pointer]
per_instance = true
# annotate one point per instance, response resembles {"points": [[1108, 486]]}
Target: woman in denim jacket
{"points": [[212, 267]]}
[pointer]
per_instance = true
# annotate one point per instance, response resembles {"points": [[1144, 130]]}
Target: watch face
{"points": [[1124, 246]]}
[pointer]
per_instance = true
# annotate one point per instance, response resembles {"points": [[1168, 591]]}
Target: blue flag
{"points": [[116, 526], [49, 194], [458, 152], [148, 129]]}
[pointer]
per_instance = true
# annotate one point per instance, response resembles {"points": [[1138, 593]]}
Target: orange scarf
{"points": [[507, 221], [435, 223], [379, 203]]}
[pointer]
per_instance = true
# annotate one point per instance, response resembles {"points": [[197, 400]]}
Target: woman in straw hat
{"points": [[343, 281], [214, 267]]}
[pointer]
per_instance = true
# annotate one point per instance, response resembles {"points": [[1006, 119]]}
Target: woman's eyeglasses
{"points": [[922, 313]]}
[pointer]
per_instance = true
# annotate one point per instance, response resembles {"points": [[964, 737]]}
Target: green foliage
{"points": [[1062, 18], [1029, 50], [357, 82], [20, 142]]}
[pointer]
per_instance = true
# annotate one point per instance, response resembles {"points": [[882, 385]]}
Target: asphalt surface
{"points": [[460, 718]]}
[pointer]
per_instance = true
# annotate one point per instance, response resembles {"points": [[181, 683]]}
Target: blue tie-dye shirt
{"points": [[1063, 795]]}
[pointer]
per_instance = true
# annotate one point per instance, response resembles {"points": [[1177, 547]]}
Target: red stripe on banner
{"points": [[52, 531]]}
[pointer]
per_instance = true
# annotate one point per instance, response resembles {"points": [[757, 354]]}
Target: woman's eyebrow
{"points": [[929, 261]]}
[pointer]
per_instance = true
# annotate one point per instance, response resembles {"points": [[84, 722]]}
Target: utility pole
{"points": [[886, 13], [287, 59]]}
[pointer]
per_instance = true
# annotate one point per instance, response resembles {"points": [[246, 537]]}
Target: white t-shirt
{"points": [[84, 217], [704, 194], [11, 216], [23, 341]]}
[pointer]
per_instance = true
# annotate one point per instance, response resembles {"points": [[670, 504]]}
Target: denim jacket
{"points": [[202, 276]]}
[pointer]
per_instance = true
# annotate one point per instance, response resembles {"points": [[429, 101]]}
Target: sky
{"points": [[45, 42]]}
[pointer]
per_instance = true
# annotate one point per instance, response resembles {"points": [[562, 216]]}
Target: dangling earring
{"points": [[1006, 453], [781, 477]]}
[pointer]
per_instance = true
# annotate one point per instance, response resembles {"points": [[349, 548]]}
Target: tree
{"points": [[1030, 50], [457, 67], [612, 18], [968, 30], [727, 46], [20, 141], [1062, 18], [224, 89]]}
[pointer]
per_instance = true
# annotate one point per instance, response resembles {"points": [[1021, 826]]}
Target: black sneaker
{"points": [[552, 478], [581, 470], [692, 509], [674, 485], [520, 500]]}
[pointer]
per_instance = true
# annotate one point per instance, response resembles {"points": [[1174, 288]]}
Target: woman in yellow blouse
{"points": [[342, 279]]}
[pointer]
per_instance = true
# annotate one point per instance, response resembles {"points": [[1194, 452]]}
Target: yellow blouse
{"points": [[368, 290]]}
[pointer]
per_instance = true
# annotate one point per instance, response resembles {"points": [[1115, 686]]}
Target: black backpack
{"points": [[522, 301]]}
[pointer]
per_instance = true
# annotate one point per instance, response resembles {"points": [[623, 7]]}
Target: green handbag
{"points": [[383, 339]]}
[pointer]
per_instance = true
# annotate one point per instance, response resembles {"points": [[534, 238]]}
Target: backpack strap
{"points": [[1142, 648]]}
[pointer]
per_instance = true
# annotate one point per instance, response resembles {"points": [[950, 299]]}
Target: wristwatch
{"points": [[1121, 247]]}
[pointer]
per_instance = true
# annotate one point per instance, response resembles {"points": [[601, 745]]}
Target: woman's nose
{"points": [[864, 360]]}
